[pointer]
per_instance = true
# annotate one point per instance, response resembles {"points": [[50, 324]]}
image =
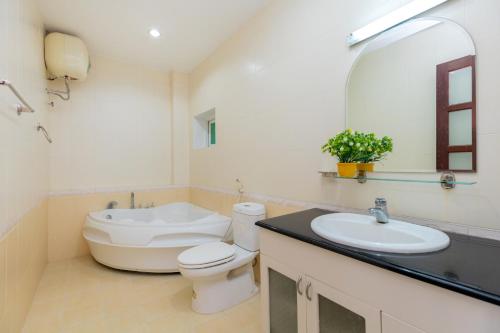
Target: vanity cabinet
{"points": [[329, 310], [308, 289], [285, 300], [296, 302]]}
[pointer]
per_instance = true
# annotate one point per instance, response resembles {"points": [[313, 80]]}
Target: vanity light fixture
{"points": [[392, 19], [155, 33]]}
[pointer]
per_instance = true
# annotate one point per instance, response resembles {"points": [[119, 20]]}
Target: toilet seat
{"points": [[207, 255]]}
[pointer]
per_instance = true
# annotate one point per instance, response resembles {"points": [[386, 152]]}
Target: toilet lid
{"points": [[208, 253]]}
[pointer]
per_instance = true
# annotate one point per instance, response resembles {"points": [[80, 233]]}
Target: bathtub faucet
{"points": [[112, 205], [132, 200]]}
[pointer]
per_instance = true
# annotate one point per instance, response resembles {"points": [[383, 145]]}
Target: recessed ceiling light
{"points": [[154, 33]]}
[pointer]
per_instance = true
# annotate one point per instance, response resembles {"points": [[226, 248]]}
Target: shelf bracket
{"points": [[329, 174], [361, 176], [448, 180]]}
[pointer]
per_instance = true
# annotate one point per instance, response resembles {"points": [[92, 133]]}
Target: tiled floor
{"points": [[80, 295]]}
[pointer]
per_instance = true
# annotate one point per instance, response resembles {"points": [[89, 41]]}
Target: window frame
{"points": [[210, 122]]}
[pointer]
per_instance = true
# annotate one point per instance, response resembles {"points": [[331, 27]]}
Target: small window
{"points": [[204, 130], [212, 138]]}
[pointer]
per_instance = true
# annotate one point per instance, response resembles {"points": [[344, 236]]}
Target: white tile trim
{"points": [[116, 190], [442, 225]]}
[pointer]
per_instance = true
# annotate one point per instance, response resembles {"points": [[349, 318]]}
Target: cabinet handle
{"points": [[308, 289], [298, 285]]}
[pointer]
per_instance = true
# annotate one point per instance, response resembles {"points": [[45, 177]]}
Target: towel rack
{"points": [[25, 107]]}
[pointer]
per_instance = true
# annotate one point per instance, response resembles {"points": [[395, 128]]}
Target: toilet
{"points": [[222, 274]]}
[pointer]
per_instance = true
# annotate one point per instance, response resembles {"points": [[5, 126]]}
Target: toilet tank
{"points": [[245, 232]]}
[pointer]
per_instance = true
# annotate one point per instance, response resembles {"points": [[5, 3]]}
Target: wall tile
{"points": [[114, 131], [23, 256], [279, 89], [23, 162]]}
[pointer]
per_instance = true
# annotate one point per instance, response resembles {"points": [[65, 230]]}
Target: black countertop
{"points": [[469, 265]]}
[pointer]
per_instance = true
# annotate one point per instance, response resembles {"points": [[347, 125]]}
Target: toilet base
{"points": [[218, 293]]}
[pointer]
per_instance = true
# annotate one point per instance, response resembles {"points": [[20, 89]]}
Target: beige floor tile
{"points": [[80, 295], [98, 325], [45, 317], [178, 324]]}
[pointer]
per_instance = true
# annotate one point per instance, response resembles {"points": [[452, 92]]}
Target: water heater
{"points": [[66, 57]]}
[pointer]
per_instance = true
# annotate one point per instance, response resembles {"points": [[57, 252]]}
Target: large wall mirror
{"points": [[416, 84]]}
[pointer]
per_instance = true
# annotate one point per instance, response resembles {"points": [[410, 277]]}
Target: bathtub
{"points": [[149, 240]]}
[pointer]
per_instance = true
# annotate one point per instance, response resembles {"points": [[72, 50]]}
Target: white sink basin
{"points": [[365, 232]]}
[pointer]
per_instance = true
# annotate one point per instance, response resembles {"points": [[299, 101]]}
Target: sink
{"points": [[364, 232]]}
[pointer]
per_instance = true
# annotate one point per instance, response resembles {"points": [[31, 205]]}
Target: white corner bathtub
{"points": [[149, 240]]}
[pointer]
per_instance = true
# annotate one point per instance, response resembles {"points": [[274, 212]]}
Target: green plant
{"points": [[353, 147]]}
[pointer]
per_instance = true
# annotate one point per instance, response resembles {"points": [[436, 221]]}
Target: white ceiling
{"points": [[190, 29]]}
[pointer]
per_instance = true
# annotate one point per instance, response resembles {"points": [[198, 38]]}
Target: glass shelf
{"points": [[447, 179]]}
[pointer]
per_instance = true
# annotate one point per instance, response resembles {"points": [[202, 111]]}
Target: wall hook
{"points": [[241, 188], [44, 132]]}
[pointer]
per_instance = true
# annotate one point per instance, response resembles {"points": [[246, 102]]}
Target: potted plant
{"points": [[342, 146], [357, 151], [372, 150]]}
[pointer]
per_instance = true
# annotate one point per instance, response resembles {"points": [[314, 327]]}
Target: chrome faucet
{"points": [[132, 200], [380, 210]]}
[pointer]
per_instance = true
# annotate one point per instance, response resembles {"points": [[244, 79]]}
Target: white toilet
{"points": [[222, 274]]}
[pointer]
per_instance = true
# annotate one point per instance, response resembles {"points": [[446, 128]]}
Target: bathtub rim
{"points": [[99, 217]]}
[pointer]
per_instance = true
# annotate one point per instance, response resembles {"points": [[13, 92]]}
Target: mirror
{"points": [[416, 84]]}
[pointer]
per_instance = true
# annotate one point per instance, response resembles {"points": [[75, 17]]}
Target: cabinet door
{"points": [[331, 311], [283, 303], [393, 325]]}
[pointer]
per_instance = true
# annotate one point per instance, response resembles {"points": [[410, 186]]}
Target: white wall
{"points": [[279, 89], [180, 128], [23, 151], [115, 132]]}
